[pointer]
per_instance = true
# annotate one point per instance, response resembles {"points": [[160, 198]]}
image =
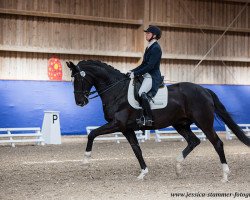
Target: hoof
{"points": [[224, 180], [142, 174], [87, 156], [86, 161], [178, 169], [226, 173]]}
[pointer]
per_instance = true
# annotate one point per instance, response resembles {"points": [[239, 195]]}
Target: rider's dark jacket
{"points": [[151, 65]]}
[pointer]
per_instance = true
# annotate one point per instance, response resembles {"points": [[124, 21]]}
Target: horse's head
{"points": [[82, 83]]}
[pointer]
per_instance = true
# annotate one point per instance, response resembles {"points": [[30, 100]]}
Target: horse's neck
{"points": [[105, 79], [109, 84]]}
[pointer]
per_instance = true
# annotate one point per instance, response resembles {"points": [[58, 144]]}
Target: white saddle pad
{"points": [[159, 101]]}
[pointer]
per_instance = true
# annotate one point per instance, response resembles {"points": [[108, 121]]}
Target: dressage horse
{"points": [[187, 103]]}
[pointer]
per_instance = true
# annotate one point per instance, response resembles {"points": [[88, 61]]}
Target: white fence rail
{"points": [[244, 127], [21, 135], [171, 133], [117, 136]]}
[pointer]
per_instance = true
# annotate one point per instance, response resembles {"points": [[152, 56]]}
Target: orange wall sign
{"points": [[55, 69]]}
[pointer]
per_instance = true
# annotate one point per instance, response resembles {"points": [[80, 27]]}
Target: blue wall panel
{"points": [[22, 104], [236, 99]]}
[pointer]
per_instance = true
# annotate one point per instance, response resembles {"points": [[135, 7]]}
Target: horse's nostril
{"points": [[81, 103]]}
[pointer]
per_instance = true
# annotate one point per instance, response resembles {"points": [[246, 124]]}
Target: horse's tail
{"points": [[223, 114]]}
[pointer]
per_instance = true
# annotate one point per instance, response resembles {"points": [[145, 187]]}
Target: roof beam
{"points": [[199, 27], [237, 1], [70, 16]]}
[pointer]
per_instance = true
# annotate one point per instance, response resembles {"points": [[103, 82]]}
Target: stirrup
{"points": [[149, 122], [144, 122], [140, 121]]}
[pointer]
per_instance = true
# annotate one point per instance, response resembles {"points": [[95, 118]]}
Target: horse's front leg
{"points": [[131, 137], [110, 127]]}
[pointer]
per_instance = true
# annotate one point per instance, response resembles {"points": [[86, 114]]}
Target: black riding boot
{"points": [[148, 118]]}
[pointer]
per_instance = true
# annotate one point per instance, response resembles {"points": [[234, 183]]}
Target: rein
{"points": [[106, 89]]}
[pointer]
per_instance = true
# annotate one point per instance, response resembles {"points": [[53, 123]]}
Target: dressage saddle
{"points": [[137, 85], [146, 115]]}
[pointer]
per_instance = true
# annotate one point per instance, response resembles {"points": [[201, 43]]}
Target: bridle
{"points": [[86, 93]]}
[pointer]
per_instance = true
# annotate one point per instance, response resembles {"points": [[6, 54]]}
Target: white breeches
{"points": [[146, 84]]}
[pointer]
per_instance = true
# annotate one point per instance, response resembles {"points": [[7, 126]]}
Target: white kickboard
{"points": [[160, 99]]}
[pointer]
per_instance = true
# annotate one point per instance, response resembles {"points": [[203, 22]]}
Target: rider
{"points": [[150, 70]]}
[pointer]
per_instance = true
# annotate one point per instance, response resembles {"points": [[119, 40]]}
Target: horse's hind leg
{"points": [[192, 141], [208, 130], [218, 145]]}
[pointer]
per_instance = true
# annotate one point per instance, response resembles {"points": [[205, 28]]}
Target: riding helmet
{"points": [[155, 30]]}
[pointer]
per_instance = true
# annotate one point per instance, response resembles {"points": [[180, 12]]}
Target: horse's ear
{"points": [[72, 64], [68, 65]]}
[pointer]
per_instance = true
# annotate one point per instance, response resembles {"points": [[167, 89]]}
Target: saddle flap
{"points": [[159, 101]]}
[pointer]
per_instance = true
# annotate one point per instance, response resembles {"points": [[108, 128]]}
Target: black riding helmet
{"points": [[155, 31]]}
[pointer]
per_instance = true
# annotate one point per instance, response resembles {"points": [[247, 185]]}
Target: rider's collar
{"points": [[151, 42]]}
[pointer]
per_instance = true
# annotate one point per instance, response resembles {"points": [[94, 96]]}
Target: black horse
{"points": [[187, 103]]}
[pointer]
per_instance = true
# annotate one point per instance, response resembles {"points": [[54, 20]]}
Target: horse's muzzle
{"points": [[81, 104], [84, 102]]}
